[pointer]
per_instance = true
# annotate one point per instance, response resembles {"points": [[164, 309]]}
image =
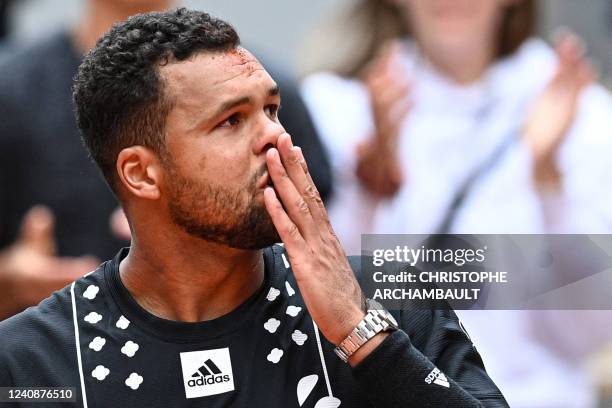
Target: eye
{"points": [[272, 110], [233, 120]]}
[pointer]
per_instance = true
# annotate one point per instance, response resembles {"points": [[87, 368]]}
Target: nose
{"points": [[269, 133]]}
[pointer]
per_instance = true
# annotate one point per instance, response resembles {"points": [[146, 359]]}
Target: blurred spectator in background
{"points": [[4, 24], [448, 116], [52, 199], [4, 17], [57, 216]]}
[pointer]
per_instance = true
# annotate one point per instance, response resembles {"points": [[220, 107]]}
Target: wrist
{"points": [[350, 321], [385, 145], [546, 174], [365, 334], [382, 143], [367, 349], [346, 326]]}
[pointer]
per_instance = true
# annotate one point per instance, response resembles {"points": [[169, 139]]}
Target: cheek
{"points": [[227, 165]]}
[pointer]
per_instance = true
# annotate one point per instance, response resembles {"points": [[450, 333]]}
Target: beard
{"points": [[220, 214]]}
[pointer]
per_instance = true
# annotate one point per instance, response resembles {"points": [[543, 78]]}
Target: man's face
{"points": [[222, 123]]}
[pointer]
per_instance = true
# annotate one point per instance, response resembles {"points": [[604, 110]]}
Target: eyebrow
{"points": [[245, 100]]}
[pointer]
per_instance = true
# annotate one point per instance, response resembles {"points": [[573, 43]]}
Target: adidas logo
{"points": [[437, 377], [213, 376], [208, 374]]}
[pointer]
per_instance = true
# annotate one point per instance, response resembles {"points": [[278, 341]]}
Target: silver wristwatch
{"points": [[377, 320]]}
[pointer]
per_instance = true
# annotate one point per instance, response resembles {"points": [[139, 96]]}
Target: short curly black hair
{"points": [[118, 92]]}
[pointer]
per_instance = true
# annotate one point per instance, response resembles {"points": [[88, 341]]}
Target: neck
{"points": [[463, 66], [190, 280], [99, 17]]}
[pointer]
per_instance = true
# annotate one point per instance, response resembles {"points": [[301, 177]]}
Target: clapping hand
{"points": [[555, 108], [378, 166], [29, 269]]}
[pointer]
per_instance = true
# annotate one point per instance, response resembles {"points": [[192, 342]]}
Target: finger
{"points": [[396, 116], [296, 206], [393, 84], [395, 74], [302, 181], [389, 72], [287, 230], [575, 79], [384, 96], [321, 206], [569, 47], [380, 61], [570, 51], [390, 53], [587, 74], [298, 151], [300, 154], [387, 134], [324, 224], [37, 230], [384, 99]]}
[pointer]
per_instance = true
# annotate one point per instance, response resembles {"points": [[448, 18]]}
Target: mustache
{"points": [[258, 174]]}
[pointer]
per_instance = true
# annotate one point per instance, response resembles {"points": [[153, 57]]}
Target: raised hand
{"points": [[555, 108], [29, 269], [378, 166], [329, 288]]}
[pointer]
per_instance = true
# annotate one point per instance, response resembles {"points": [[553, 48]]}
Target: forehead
{"points": [[209, 77]]}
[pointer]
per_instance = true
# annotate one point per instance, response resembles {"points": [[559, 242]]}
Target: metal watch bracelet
{"points": [[376, 320]]}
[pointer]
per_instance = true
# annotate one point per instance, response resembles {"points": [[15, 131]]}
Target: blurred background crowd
{"points": [[416, 116]]}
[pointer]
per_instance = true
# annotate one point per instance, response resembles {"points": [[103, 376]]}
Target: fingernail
{"points": [[298, 151], [290, 141], [271, 192], [273, 153]]}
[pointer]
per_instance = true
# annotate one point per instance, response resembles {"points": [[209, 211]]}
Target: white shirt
{"points": [[449, 132]]}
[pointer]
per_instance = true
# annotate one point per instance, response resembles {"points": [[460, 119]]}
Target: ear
{"points": [[140, 172]]}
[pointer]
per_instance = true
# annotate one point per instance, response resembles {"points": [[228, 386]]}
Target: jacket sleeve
{"points": [[429, 362]]}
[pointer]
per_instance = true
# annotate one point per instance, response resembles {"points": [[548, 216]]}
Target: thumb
{"points": [[37, 230]]}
